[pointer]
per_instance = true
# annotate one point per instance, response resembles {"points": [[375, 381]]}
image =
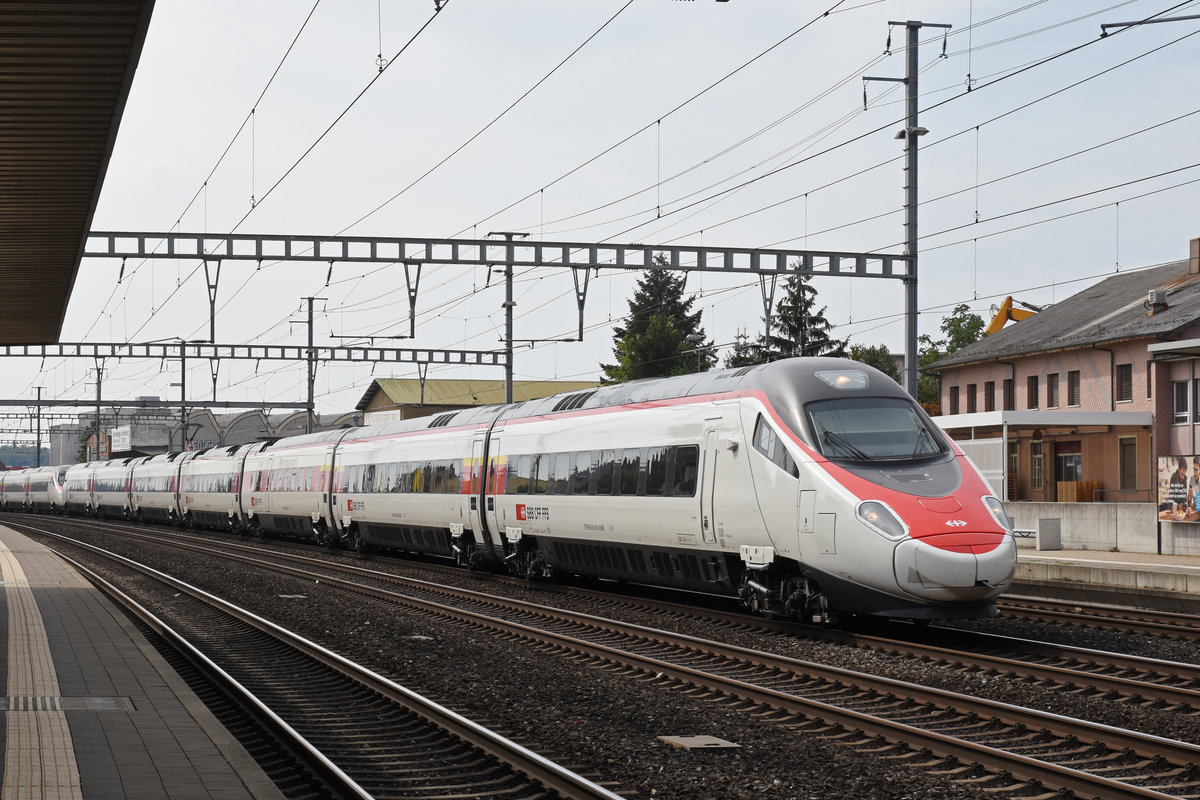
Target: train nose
{"points": [[945, 568]]}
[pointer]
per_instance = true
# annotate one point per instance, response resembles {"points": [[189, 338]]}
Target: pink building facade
{"points": [[1096, 398]]}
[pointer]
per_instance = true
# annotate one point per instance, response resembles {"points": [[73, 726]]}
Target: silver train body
{"points": [[37, 489], [805, 487]]}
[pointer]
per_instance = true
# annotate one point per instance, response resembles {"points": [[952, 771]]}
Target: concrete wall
{"points": [[1181, 538], [1124, 527]]}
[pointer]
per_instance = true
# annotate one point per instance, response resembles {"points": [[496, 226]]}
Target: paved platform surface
{"points": [[91, 709], [1163, 582]]}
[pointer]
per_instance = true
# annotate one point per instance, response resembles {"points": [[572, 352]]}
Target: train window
{"points": [[631, 462], [606, 471], [581, 473], [518, 474], [868, 428], [560, 479], [767, 442], [541, 473], [656, 471], [685, 467]]}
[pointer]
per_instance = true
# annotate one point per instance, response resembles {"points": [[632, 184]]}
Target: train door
{"points": [[708, 483], [328, 503], [477, 491]]}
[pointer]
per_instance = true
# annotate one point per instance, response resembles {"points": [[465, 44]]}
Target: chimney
{"points": [[1194, 262]]}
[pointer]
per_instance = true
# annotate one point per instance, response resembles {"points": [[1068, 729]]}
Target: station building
{"points": [[1086, 410]]}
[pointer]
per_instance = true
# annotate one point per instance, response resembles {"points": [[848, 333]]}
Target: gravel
{"points": [[607, 726]]}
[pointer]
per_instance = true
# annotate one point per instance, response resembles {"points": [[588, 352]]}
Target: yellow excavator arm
{"points": [[1006, 313]]}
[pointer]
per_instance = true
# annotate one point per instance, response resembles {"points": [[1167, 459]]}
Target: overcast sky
{"points": [[414, 156]]}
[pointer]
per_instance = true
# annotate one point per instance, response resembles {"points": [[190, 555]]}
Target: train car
{"points": [[44, 489], [12, 489], [210, 486], [411, 485], [112, 483], [811, 488], [77, 488], [155, 490], [286, 487], [806, 487], [9, 494]]}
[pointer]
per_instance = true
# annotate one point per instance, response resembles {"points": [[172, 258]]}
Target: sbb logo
{"points": [[521, 511]]}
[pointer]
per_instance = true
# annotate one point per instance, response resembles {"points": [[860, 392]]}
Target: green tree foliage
{"points": [[745, 353], [878, 357], [798, 328], [26, 456], [961, 328], [660, 330]]}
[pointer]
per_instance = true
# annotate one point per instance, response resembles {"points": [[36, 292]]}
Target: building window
{"points": [[1179, 391], [1052, 390], [953, 399], [1073, 388], [1035, 465], [989, 396], [1014, 461], [1068, 461], [1010, 395], [1124, 387], [971, 402], [1031, 391], [1127, 462]]}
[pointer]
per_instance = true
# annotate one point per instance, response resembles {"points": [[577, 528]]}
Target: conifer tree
{"points": [[798, 328], [659, 331]]}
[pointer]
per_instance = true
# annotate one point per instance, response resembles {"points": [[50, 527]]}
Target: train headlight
{"points": [[882, 519], [997, 508], [844, 378]]}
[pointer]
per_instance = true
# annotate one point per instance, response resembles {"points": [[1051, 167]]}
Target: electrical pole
{"points": [[183, 413], [909, 134], [39, 424], [509, 304], [312, 366], [99, 378]]}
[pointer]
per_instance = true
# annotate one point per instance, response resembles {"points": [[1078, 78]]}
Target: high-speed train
{"points": [[806, 487], [38, 489]]}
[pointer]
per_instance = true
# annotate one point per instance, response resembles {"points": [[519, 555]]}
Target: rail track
{"points": [[894, 718], [360, 733], [1132, 620]]}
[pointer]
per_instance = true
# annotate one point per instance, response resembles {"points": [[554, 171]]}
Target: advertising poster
{"points": [[1179, 488]]}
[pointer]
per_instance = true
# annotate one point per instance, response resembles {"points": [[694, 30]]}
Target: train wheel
{"points": [[354, 541]]}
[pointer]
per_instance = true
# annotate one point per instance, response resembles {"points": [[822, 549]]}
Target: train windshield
{"points": [[872, 429]]}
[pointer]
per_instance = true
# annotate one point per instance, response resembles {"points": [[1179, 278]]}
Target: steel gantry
{"points": [[582, 258]]}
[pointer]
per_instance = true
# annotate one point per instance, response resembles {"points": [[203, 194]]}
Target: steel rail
{"points": [[337, 780], [1065, 676], [1146, 746], [535, 766]]}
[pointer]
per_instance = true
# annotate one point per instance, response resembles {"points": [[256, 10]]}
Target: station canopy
{"points": [[65, 73]]}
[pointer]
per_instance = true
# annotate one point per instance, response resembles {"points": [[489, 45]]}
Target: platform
{"points": [[91, 709], [1161, 582]]}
